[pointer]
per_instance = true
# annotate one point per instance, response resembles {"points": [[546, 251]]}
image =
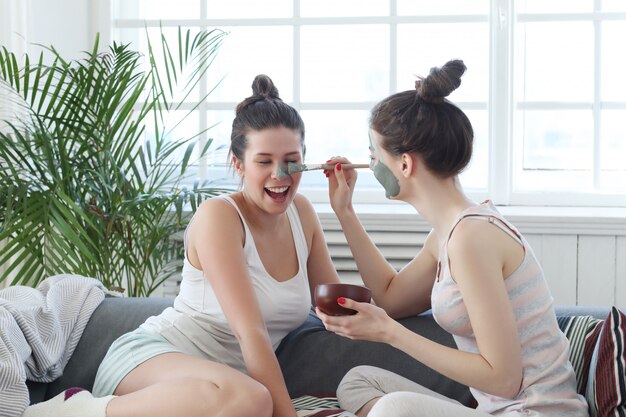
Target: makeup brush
{"points": [[293, 167]]}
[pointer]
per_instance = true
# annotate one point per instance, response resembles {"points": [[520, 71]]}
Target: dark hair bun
{"points": [[264, 86], [441, 81]]}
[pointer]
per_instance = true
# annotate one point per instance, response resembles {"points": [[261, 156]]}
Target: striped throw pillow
{"points": [[606, 386], [582, 333], [319, 406]]}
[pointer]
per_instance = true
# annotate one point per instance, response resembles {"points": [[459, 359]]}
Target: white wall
{"points": [[62, 23], [69, 25]]}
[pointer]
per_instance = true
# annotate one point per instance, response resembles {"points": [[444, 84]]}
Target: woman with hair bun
{"points": [[475, 271], [251, 260]]}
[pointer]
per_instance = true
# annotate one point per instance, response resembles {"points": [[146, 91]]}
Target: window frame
{"points": [[501, 105]]}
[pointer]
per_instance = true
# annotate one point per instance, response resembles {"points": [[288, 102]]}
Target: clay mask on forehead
{"points": [[383, 174]]}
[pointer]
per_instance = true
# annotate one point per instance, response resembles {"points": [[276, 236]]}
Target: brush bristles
{"points": [[293, 167]]}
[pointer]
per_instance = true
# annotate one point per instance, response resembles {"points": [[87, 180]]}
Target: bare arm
{"points": [[320, 268], [477, 256], [217, 238], [401, 293]]}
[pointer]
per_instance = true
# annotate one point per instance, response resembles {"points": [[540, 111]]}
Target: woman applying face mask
{"points": [[475, 271]]}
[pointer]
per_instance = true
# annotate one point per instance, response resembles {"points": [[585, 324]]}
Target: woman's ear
{"points": [[408, 164], [238, 164]]}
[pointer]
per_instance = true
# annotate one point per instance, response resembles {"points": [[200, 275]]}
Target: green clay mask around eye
{"points": [[384, 175]]}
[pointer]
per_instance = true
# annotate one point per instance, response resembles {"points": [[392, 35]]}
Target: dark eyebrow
{"points": [[270, 154]]}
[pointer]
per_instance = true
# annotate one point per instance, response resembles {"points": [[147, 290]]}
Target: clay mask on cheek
{"points": [[384, 175]]}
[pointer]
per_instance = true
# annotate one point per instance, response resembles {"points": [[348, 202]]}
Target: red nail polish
{"points": [[338, 167], [341, 300]]}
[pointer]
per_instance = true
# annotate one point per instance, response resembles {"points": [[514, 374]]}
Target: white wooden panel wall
{"points": [[620, 272], [551, 251], [596, 270], [584, 259], [581, 268]]}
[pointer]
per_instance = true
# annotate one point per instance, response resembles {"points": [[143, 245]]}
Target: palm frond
{"points": [[82, 190]]}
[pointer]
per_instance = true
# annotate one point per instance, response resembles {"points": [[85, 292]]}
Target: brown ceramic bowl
{"points": [[326, 297]]}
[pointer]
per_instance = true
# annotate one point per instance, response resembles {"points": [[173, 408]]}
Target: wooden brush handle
{"points": [[345, 166]]}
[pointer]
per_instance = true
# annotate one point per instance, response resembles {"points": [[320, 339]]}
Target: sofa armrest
{"points": [[113, 318]]}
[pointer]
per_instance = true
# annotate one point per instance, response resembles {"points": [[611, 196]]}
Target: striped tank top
{"points": [[549, 383]]}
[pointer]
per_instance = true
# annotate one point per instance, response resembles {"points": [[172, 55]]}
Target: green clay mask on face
{"points": [[383, 174]]}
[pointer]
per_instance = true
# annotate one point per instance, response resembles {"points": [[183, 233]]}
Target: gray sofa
{"points": [[313, 360]]}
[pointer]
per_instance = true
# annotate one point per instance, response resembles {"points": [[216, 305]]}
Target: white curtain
{"points": [[14, 24], [14, 30]]}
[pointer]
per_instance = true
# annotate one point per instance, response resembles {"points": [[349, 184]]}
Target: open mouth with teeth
{"points": [[277, 193]]}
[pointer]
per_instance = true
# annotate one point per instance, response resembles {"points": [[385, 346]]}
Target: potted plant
{"points": [[83, 189]]}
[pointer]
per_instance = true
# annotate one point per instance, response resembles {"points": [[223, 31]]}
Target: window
{"points": [[545, 88]]}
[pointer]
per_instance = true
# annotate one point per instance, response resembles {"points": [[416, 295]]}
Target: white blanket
{"points": [[39, 330]]}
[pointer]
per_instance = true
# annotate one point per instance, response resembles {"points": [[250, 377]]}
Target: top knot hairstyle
{"points": [[264, 109], [423, 122]]}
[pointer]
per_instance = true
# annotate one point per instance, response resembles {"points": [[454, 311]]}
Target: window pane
{"points": [[613, 61], [542, 74], [336, 132], [445, 41], [138, 42], [613, 6], [554, 150], [177, 126], [333, 133], [557, 139], [553, 6], [333, 8], [442, 7], [156, 9], [247, 52], [344, 63], [220, 123], [613, 151], [476, 175], [246, 9]]}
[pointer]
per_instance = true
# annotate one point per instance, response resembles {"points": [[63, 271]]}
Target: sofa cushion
{"points": [[582, 333], [314, 360], [606, 386]]}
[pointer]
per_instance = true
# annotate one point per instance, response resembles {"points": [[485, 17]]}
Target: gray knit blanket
{"points": [[39, 330]]}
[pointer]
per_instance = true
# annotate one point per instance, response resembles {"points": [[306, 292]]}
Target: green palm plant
{"points": [[83, 188]]}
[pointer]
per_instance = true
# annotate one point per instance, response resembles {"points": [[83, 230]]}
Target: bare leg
{"points": [[175, 384]]}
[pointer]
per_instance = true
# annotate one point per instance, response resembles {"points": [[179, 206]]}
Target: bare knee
{"points": [[245, 397]]}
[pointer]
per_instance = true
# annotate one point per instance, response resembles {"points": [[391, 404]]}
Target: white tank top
{"points": [[196, 323]]}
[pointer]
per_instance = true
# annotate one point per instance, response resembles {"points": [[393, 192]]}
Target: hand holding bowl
{"points": [[326, 296]]}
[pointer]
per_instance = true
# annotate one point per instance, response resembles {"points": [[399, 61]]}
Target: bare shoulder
{"points": [[215, 207], [305, 210], [303, 205], [478, 241], [308, 217], [215, 214]]}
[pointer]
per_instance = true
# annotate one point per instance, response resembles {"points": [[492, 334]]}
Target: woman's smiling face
{"points": [[267, 154]]}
